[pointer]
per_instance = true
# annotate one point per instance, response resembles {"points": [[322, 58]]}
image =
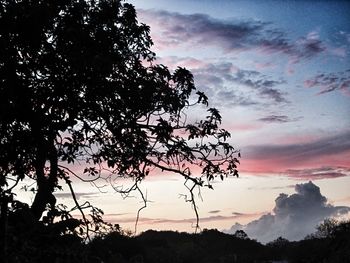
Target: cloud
{"points": [[214, 212], [237, 214], [270, 187], [226, 84], [294, 216], [331, 150], [189, 62], [330, 82], [176, 29], [310, 46], [77, 195], [318, 173], [264, 86], [264, 65], [341, 41], [171, 30], [275, 118], [155, 221]]}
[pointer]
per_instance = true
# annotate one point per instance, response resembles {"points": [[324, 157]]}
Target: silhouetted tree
{"points": [[278, 242], [241, 234], [79, 83], [327, 229]]}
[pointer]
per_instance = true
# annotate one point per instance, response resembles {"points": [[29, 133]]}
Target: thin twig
{"points": [[141, 208], [78, 206]]}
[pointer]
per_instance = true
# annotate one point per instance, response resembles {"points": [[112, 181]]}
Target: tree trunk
{"points": [[43, 197], [46, 184], [3, 227]]}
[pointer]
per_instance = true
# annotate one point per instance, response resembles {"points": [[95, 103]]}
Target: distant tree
{"points": [[241, 234], [79, 85], [279, 242], [330, 228], [327, 228]]}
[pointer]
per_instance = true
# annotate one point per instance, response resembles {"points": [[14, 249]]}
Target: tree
{"points": [[79, 84], [278, 242], [331, 228], [241, 234]]}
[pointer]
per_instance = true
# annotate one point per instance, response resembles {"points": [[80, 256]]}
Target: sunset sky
{"points": [[279, 72]]}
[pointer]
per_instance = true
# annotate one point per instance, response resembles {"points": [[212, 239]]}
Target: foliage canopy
{"points": [[79, 84]]}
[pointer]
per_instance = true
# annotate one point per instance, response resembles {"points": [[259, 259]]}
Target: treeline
{"points": [[32, 241]]}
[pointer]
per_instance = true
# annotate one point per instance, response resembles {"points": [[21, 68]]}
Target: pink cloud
{"points": [[243, 127], [339, 52], [279, 164], [317, 173], [329, 82], [267, 65], [157, 221], [332, 151], [188, 62], [297, 139], [310, 83]]}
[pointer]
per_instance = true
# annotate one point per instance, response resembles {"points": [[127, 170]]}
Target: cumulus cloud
{"points": [[328, 82], [294, 216], [176, 30]]}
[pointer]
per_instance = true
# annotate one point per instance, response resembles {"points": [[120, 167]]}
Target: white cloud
{"points": [[294, 216]]}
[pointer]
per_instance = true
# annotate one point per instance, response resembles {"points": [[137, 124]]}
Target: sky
{"points": [[279, 72]]}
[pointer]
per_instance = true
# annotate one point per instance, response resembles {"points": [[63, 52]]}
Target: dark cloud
{"points": [[214, 211], [294, 216], [237, 214], [310, 46], [226, 84], [330, 82], [274, 94], [232, 97], [264, 86], [200, 28], [275, 118], [299, 153], [175, 29], [220, 80], [318, 173], [278, 119]]}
